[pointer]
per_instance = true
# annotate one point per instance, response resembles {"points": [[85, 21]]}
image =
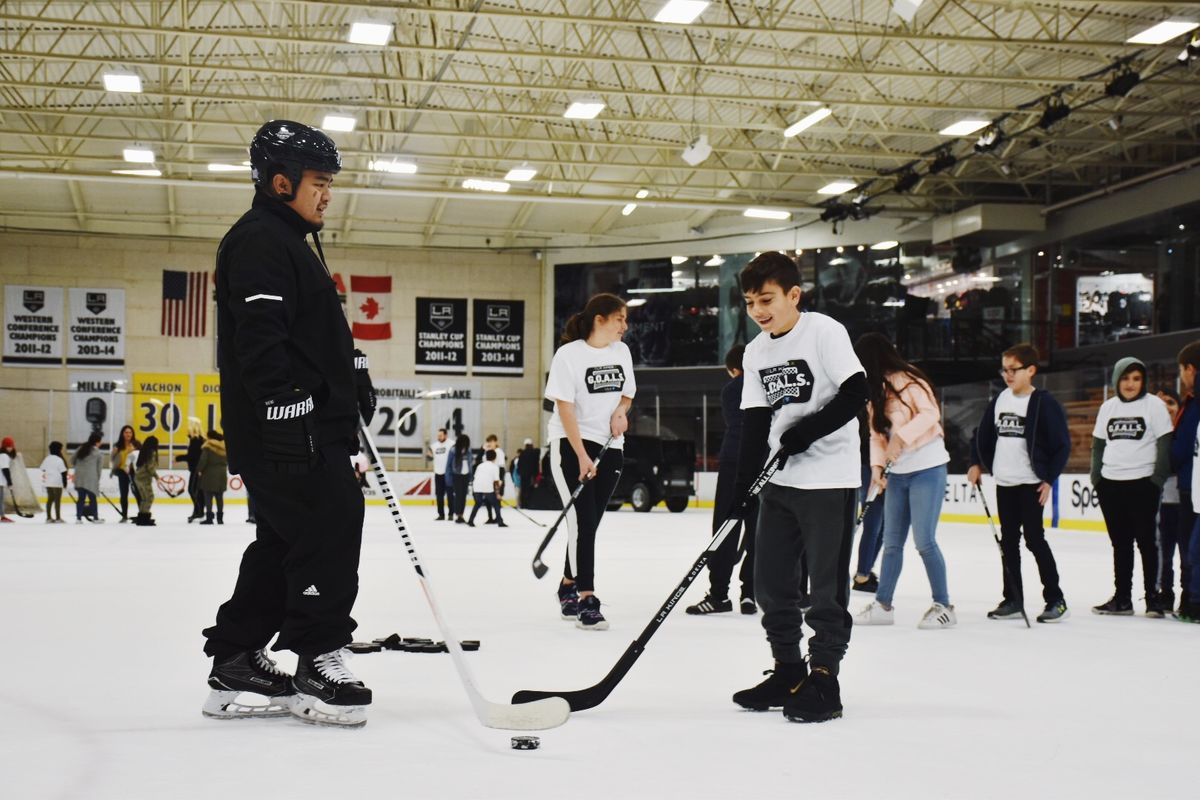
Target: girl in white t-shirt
{"points": [[54, 477], [591, 385], [1131, 445]]}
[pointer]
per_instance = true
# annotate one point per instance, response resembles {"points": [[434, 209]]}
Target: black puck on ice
{"points": [[526, 743], [364, 647]]}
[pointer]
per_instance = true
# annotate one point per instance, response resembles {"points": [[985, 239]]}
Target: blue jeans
{"points": [[1193, 586], [872, 527], [913, 499], [85, 505]]}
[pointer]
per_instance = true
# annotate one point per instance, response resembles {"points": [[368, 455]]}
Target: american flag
{"points": [[184, 303]]}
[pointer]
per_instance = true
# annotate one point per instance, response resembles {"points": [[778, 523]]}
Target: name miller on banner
{"points": [[498, 337], [441, 336]]}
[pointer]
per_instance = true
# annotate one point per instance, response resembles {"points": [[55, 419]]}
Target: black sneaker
{"points": [[327, 678], [1189, 611], [501, 524], [711, 605], [818, 699], [1008, 609], [251, 672], [869, 585], [776, 689], [749, 606], [1116, 607], [568, 601], [1055, 612], [1158, 606], [590, 618]]}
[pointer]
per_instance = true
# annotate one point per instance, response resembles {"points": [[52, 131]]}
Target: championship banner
{"points": [[96, 327], [441, 336], [407, 418], [497, 345], [371, 306], [206, 403], [160, 407], [97, 405], [33, 326]]}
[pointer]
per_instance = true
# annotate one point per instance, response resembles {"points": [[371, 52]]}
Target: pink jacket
{"points": [[912, 429]]}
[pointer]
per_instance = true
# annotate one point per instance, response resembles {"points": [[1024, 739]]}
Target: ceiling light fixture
{"points": [[989, 140], [1163, 32], [341, 123], [906, 9], [122, 82], [635, 302], [964, 127], [521, 173], [715, 261], [658, 290], [837, 187], [681, 12], [138, 155], [584, 109], [393, 167], [766, 213], [628, 209], [484, 185], [143, 173], [372, 33], [677, 260], [807, 122], [642, 194], [218, 167], [888, 245], [696, 152]]}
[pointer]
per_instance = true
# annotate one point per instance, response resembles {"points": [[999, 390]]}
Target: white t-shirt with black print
{"points": [[594, 379], [795, 376], [441, 453], [1130, 431], [1012, 466]]}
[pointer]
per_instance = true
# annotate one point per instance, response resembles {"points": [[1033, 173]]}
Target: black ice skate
{"points": [[818, 699], [249, 672], [711, 605], [1116, 607], [327, 693], [568, 601], [776, 689]]}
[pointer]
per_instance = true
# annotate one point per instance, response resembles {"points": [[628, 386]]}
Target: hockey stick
{"points": [[547, 714], [593, 696], [116, 508], [539, 567], [523, 514], [1003, 560]]}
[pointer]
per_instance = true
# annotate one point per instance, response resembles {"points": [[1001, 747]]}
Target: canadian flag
{"points": [[370, 303]]}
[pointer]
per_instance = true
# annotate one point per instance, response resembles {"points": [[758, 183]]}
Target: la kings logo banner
{"points": [[1010, 425], [1126, 428], [605, 379], [787, 383]]}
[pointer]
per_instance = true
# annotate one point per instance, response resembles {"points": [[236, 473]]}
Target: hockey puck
{"points": [[469, 645], [364, 647], [526, 743]]}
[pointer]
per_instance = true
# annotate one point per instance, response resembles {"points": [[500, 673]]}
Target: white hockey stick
{"points": [[548, 713]]}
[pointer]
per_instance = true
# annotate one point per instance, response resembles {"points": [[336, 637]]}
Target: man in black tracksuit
{"points": [[292, 390]]}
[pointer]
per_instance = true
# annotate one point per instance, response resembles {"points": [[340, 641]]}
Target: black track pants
{"points": [[583, 520], [1129, 508], [1021, 514], [299, 577], [722, 562]]}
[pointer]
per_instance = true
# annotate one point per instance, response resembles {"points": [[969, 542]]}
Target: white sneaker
{"points": [[875, 614], [938, 616]]}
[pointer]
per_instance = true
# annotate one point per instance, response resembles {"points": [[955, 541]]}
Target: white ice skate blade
{"points": [[223, 704], [312, 711]]}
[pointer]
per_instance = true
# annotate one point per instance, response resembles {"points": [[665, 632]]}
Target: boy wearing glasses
{"points": [[1024, 442]]}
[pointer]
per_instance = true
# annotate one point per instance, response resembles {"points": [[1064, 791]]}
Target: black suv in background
{"points": [[656, 471]]}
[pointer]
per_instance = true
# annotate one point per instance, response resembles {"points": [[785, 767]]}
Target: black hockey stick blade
{"points": [[539, 567], [592, 696], [517, 509]]}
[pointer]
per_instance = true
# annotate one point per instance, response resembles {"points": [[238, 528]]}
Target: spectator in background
{"points": [[458, 472], [54, 476], [7, 451], [121, 466], [87, 480], [493, 443], [192, 458], [212, 470], [486, 487], [527, 470], [144, 472], [443, 487]]}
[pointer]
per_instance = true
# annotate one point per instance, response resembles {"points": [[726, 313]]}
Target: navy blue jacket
{"points": [[731, 411], [453, 467], [1183, 443], [1046, 436]]}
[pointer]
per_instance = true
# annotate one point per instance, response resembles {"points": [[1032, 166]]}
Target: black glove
{"points": [[796, 439], [367, 399], [289, 441]]}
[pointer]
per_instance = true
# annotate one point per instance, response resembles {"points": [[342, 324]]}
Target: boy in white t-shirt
{"points": [[1131, 451], [486, 487], [802, 392], [54, 477]]}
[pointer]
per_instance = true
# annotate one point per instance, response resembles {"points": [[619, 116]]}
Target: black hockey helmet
{"points": [[288, 148]]}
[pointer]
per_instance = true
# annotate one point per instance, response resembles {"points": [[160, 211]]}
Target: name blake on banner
{"points": [[498, 346], [96, 327], [441, 336], [33, 326]]}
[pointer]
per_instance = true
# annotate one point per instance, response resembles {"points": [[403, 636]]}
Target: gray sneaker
{"points": [[1055, 612], [1008, 609]]}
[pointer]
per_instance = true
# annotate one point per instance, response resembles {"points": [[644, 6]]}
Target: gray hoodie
{"points": [[1162, 463]]}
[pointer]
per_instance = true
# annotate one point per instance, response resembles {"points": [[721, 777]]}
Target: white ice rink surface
{"points": [[102, 678]]}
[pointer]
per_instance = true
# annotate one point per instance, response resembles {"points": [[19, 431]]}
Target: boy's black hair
{"points": [[769, 267], [733, 359], [1024, 352], [1169, 391], [1189, 355], [490, 455]]}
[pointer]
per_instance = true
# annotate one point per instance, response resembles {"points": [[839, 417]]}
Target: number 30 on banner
{"points": [[160, 402]]}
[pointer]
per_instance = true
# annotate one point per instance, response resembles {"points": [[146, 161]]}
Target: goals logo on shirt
{"points": [[791, 382], [605, 379], [1131, 428], [1010, 425]]}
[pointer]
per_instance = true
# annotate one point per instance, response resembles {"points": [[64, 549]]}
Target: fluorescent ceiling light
{"points": [[482, 185], [807, 122], [521, 173], [837, 187], [964, 127], [122, 82], [584, 109], [681, 12], [676, 260], [393, 167], [888, 245], [676, 273], [144, 173], [766, 213], [658, 290], [138, 155], [1164, 31], [906, 9], [635, 302], [642, 194], [987, 278], [628, 209], [217, 167], [698, 150], [715, 261], [374, 33], [339, 122]]}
